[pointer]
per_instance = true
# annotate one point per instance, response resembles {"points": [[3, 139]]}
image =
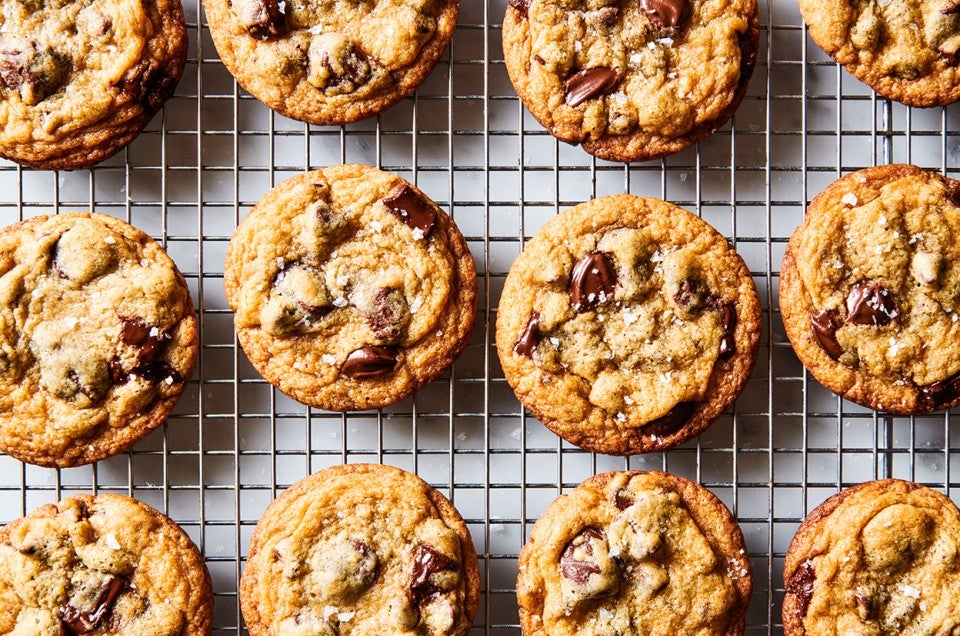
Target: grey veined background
{"points": [[234, 443]]}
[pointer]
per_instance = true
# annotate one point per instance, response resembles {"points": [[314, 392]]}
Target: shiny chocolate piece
{"points": [[824, 325], [622, 499], [147, 341], [530, 337], [801, 585], [77, 622], [728, 320], [408, 206], [592, 281], [523, 6], [579, 570], [427, 561], [939, 394], [665, 14], [263, 19], [589, 83], [370, 362], [870, 304], [673, 421]]}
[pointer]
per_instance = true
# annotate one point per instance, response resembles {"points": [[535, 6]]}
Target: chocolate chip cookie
{"points": [[79, 80], [331, 61], [351, 288], [98, 338], [879, 558], [870, 289], [101, 565], [360, 549], [628, 325], [907, 50], [634, 553], [631, 80]]}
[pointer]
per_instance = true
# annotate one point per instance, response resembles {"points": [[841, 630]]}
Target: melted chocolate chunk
{"points": [[951, 8], [149, 85], [941, 393], [592, 281], [408, 206], [690, 294], [75, 621], [367, 570], [263, 19], [728, 321], [35, 71], [622, 499], [801, 585], [74, 377], [870, 304], [523, 6], [530, 338], [577, 570], [370, 362], [866, 606], [672, 421], [824, 325], [589, 83], [148, 341], [385, 320], [665, 14], [427, 561]]}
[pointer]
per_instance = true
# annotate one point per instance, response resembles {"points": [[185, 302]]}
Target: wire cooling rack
{"points": [[234, 443]]}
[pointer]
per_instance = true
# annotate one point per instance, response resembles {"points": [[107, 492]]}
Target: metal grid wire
{"points": [[234, 443]]}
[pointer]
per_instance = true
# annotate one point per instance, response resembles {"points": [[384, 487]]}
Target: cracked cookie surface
{"points": [[634, 553], [98, 338], [331, 61], [101, 565], [627, 325], [360, 549], [631, 80], [879, 558], [351, 288], [870, 289], [80, 80], [907, 50]]}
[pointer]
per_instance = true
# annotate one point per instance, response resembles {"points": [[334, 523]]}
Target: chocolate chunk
{"points": [[530, 338], [367, 569], [74, 377], [801, 585], [388, 315], [35, 72], [951, 8], [370, 362], [728, 321], [523, 6], [148, 85], [335, 65], [75, 621], [941, 393], [408, 206], [665, 14], [671, 422], [622, 499], [263, 19], [428, 561], [690, 295], [579, 570], [604, 17], [592, 281], [147, 342], [870, 304], [589, 83], [824, 325]]}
